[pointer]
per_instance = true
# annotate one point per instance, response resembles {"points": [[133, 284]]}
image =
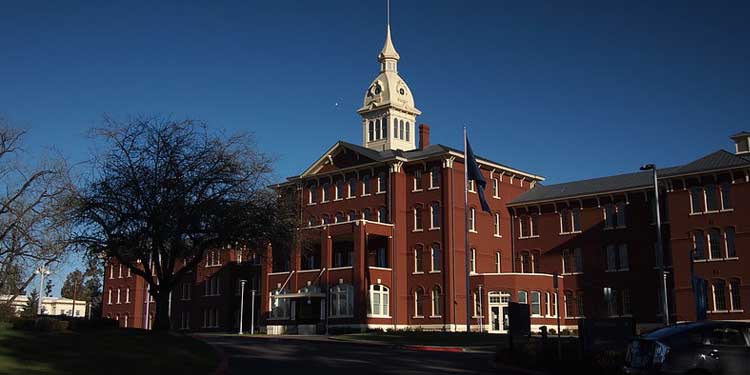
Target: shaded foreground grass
{"points": [[430, 338], [113, 351]]}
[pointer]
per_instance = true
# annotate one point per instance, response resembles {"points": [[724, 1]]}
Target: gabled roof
{"points": [[719, 160], [412, 155]]}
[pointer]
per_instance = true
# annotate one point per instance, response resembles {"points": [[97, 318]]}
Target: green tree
{"points": [[48, 288], [32, 305], [73, 286]]}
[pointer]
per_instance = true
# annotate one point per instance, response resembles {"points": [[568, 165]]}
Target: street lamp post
{"points": [[242, 302], [659, 245], [481, 310], [252, 312], [41, 271]]}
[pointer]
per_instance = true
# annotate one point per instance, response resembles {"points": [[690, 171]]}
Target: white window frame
{"points": [[127, 295], [109, 297], [497, 225], [473, 261], [118, 296], [435, 302], [417, 178], [539, 302], [337, 292], [282, 307], [434, 212], [366, 185], [418, 303], [433, 269], [434, 171], [472, 220], [418, 259], [418, 225], [495, 188], [382, 178], [383, 310], [525, 295], [498, 261]]}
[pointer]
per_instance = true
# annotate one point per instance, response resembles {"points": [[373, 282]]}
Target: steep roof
{"points": [[630, 181]]}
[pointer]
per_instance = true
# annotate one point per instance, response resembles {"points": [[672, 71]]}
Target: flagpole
{"points": [[466, 233]]}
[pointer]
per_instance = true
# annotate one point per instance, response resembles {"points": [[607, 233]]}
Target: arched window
{"points": [[342, 300], [109, 297], [408, 127], [436, 306], [366, 185], [729, 242], [372, 131], [418, 298], [418, 217], [435, 258], [339, 217], [526, 262], [312, 193], [312, 221], [699, 245], [569, 304], [385, 127], [523, 297], [498, 262], [719, 289], [379, 301], [340, 189], [401, 129], [435, 177], [324, 192], [418, 250], [472, 219], [367, 214], [382, 215], [714, 243], [377, 129], [352, 187], [497, 224], [125, 322], [278, 307], [395, 128], [352, 216], [712, 203], [734, 295], [435, 215], [325, 220]]}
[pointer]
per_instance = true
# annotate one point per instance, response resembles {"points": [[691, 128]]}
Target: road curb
{"points": [[426, 348]]}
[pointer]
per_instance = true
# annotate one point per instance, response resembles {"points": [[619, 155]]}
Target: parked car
{"points": [[708, 347]]}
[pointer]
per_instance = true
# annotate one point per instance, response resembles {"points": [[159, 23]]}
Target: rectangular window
{"points": [[352, 188], [119, 271], [711, 202], [497, 225], [729, 242], [621, 215], [498, 262], [366, 185], [726, 202], [567, 262], [578, 258], [435, 178], [696, 199], [523, 223], [472, 219], [127, 295], [611, 258], [471, 186], [734, 294], [382, 257], [576, 218], [610, 299], [536, 303], [565, 224], [473, 261], [714, 244], [418, 218], [534, 225], [523, 297], [623, 262], [579, 303], [495, 188], [699, 244], [417, 180], [609, 216], [339, 189], [626, 302], [382, 183], [720, 303]]}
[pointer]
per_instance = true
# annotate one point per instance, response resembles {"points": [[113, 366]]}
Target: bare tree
{"points": [[35, 208], [164, 192]]}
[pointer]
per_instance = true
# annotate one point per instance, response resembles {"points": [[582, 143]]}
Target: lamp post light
{"points": [[242, 302], [41, 271], [659, 245]]}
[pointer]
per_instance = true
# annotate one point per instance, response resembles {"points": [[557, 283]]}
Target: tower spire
{"points": [[388, 56]]}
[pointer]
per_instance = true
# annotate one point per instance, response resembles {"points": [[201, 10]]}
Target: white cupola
{"points": [[388, 111]]}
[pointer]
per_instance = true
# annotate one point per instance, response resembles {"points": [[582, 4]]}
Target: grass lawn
{"points": [[431, 338], [115, 351]]}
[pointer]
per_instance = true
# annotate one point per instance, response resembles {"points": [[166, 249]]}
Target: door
{"points": [[495, 318]]}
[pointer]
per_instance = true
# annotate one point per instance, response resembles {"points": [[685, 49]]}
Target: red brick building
{"points": [[381, 240]]}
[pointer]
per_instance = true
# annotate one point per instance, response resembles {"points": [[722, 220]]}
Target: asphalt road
{"points": [[320, 356]]}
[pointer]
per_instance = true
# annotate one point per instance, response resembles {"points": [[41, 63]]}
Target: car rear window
{"points": [[727, 336]]}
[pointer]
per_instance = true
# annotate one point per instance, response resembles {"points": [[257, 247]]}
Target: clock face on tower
{"points": [[374, 90]]}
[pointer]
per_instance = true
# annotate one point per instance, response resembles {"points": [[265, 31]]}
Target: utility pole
{"points": [[252, 312]]}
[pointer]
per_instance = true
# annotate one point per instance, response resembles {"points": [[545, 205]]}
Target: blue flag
{"points": [[473, 173]]}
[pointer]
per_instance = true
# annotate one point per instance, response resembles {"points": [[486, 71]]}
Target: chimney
{"points": [[424, 136]]}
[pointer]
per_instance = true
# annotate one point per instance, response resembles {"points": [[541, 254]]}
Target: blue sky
{"points": [[567, 90]]}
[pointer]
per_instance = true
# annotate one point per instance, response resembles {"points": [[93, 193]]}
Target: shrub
{"points": [[565, 332], [102, 323], [552, 331], [24, 324], [7, 313]]}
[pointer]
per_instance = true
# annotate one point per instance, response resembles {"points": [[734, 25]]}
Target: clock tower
{"points": [[388, 112]]}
